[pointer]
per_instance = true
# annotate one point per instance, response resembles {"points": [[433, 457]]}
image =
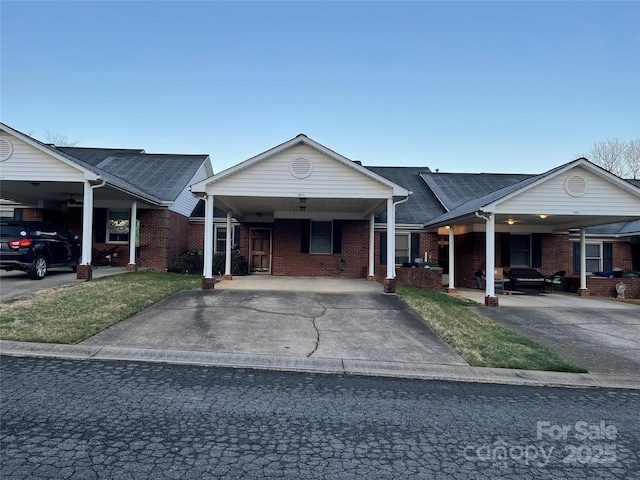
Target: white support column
{"points": [[490, 260], [208, 281], [391, 239], [452, 260], [133, 234], [227, 258], [390, 280], [372, 268], [87, 223], [84, 271], [583, 260]]}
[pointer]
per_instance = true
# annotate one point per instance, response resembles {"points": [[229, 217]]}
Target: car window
{"points": [[13, 231], [63, 234]]}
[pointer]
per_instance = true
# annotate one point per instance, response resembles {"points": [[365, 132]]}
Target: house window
{"points": [[403, 248], [321, 237], [118, 226], [221, 239], [599, 257], [520, 251]]}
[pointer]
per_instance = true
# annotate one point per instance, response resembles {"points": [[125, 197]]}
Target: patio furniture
{"points": [[554, 280], [525, 277]]}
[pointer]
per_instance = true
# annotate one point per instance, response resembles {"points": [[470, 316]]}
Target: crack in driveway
{"points": [[315, 326]]}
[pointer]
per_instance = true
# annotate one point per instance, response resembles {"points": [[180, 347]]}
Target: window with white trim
{"points": [[321, 236], [593, 254], [118, 226], [403, 248]]}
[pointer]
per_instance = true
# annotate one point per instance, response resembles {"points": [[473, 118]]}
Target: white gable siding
{"points": [[186, 202], [602, 197], [272, 177], [30, 164]]}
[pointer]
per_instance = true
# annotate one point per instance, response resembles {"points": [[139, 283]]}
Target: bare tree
{"points": [[609, 154], [60, 140], [632, 159]]}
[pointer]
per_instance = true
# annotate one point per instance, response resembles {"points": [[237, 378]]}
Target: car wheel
{"points": [[39, 268]]}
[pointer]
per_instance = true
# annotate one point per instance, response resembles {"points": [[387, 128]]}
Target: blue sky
{"points": [[460, 86]]}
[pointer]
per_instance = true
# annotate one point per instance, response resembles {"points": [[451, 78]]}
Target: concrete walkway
{"points": [[326, 325]]}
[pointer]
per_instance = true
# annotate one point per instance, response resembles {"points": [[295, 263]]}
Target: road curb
{"points": [[354, 367]]}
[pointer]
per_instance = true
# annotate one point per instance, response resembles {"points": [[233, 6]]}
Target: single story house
{"points": [[301, 208]]}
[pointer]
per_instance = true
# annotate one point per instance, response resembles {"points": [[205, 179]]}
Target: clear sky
{"points": [[506, 86]]}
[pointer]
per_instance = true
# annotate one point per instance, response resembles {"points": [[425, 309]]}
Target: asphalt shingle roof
{"points": [[164, 176], [421, 206], [455, 189]]}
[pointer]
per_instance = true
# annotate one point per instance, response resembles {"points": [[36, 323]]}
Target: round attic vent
{"points": [[6, 149], [575, 185], [301, 167]]}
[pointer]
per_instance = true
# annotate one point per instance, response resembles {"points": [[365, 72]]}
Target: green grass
{"points": [[480, 341], [72, 313]]}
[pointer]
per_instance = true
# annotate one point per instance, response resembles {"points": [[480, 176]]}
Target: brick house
{"points": [[303, 209]]}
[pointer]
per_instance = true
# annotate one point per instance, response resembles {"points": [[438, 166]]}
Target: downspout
{"points": [[393, 238]]}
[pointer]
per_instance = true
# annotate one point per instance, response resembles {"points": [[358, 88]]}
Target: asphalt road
{"points": [[125, 420]]}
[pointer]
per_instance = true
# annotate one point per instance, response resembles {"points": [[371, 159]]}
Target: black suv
{"points": [[33, 247]]}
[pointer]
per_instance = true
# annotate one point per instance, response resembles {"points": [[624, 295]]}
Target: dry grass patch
{"points": [[72, 313], [480, 341]]}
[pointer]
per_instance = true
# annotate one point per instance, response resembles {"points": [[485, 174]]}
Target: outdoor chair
{"points": [[555, 279]]}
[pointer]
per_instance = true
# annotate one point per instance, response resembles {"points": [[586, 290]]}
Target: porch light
{"points": [[543, 216], [511, 221], [302, 208], [303, 200]]}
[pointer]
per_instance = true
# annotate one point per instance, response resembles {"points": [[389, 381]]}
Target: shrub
{"points": [[188, 263], [239, 265]]}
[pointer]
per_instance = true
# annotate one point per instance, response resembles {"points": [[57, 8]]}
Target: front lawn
{"points": [[480, 341], [72, 313]]}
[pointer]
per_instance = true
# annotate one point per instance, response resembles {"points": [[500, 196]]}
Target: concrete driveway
{"points": [[601, 335], [18, 284], [359, 324]]}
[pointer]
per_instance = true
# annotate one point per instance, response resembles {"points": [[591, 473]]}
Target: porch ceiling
{"points": [[54, 195], [293, 207], [552, 223]]}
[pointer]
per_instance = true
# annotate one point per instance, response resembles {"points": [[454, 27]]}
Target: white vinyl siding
{"points": [[27, 163], [272, 178], [601, 198], [186, 202]]}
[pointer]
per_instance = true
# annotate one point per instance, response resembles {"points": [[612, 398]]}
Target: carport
{"points": [[70, 183], [573, 196]]}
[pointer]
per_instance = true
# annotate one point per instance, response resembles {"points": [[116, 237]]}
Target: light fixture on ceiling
{"points": [[35, 184], [543, 216], [302, 208], [302, 200], [511, 221], [258, 214]]}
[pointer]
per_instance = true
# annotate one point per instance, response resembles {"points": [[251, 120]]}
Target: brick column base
{"points": [[583, 292], [371, 278], [451, 290], [132, 267], [491, 301], [84, 272], [227, 277], [208, 283], [389, 285]]}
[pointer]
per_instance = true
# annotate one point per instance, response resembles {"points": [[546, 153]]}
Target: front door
{"points": [[260, 253]]}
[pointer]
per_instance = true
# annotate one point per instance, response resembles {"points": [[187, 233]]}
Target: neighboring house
{"points": [[302, 209], [132, 194]]}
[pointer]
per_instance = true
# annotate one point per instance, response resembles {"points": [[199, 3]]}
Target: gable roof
{"points": [[301, 138], [485, 202], [156, 178]]}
